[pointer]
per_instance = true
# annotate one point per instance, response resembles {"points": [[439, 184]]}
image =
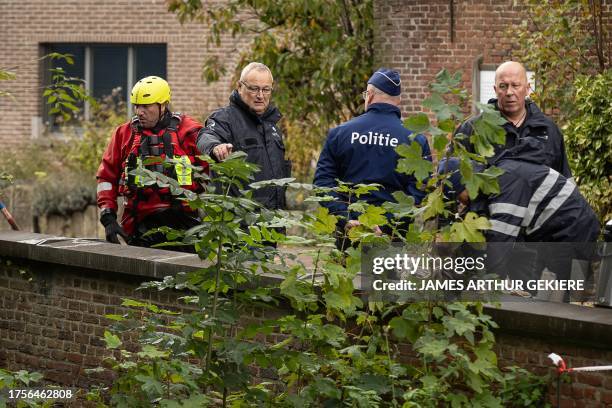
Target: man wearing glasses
{"points": [[362, 150], [249, 124]]}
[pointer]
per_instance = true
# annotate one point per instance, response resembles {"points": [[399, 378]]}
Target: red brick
{"points": [[606, 397], [577, 391], [74, 358], [589, 393], [590, 378]]}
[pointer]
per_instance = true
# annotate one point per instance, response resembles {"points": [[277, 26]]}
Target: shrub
{"points": [[589, 141]]}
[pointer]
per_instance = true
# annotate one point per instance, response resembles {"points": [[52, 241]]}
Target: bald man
{"points": [[524, 118]]}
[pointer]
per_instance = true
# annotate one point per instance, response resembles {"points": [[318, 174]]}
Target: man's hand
{"points": [[354, 223], [108, 218], [351, 224], [222, 151]]}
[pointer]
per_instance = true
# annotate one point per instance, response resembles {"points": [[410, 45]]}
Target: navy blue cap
{"points": [[387, 81]]}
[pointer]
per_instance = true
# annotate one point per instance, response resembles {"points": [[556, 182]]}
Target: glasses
{"points": [[255, 89], [366, 93]]}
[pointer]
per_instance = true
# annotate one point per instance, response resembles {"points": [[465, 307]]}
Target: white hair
{"points": [[383, 94], [257, 66]]}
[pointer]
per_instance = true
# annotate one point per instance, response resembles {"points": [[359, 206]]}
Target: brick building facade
{"points": [[31, 24], [419, 38], [414, 36]]}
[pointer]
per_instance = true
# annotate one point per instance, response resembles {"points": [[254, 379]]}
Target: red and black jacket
{"points": [[132, 146]]}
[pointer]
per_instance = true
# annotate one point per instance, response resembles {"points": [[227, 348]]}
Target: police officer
{"points": [[535, 203], [154, 134], [362, 150], [249, 124], [524, 118]]}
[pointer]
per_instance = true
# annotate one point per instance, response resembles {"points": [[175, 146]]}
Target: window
{"points": [[105, 67]]}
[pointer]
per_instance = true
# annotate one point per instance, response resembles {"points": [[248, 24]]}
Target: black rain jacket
{"points": [[536, 203], [258, 136], [536, 125]]}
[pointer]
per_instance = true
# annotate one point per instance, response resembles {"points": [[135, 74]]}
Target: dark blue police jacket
{"points": [[362, 150]]}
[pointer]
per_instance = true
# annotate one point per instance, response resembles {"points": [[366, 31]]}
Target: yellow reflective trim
{"points": [[137, 178], [183, 171]]}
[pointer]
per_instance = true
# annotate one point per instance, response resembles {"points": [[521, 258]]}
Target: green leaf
{"points": [[475, 183], [488, 131], [404, 328], [434, 347], [344, 301], [326, 387], [429, 381], [469, 229], [439, 143], [150, 385], [325, 223], [413, 162], [373, 216], [418, 123], [362, 189], [115, 317], [447, 125], [434, 204], [298, 292], [112, 341], [459, 324], [403, 207], [149, 351]]}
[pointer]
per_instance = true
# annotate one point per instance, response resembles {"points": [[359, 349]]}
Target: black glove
{"points": [[108, 218]]}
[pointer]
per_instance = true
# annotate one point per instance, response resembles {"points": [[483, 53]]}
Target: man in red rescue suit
{"points": [[153, 134]]}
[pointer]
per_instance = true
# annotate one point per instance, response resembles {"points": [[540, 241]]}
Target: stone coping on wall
{"points": [[96, 254], [567, 322]]}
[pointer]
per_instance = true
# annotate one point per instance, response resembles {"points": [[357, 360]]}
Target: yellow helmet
{"points": [[151, 89]]}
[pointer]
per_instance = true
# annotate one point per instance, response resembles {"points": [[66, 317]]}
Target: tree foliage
{"points": [[560, 41], [319, 51], [589, 141], [567, 43], [62, 95]]}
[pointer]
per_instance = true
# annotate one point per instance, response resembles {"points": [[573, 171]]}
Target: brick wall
{"points": [[28, 23], [415, 38], [52, 319], [584, 390], [54, 322]]}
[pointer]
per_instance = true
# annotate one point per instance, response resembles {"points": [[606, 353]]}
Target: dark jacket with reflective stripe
{"points": [[536, 125], [258, 136], [536, 203]]}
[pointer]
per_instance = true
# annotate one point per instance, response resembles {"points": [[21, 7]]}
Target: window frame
{"points": [[88, 73]]}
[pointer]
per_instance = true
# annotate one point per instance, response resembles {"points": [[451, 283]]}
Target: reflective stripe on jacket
{"points": [[536, 203]]}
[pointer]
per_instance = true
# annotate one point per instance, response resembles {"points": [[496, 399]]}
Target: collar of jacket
{"points": [[528, 149], [384, 108], [535, 117], [272, 114]]}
